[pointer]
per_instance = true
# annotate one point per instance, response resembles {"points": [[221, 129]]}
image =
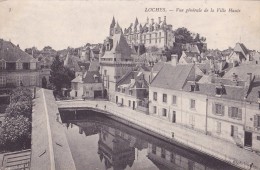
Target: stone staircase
{"points": [[19, 160]]}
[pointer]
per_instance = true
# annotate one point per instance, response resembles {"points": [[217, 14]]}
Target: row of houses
{"points": [[191, 94]]}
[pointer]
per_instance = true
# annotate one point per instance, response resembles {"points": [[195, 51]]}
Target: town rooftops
{"points": [[126, 80], [173, 77], [242, 70], [92, 77], [121, 46], [11, 53]]}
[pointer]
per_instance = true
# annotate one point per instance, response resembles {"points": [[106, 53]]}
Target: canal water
{"points": [[98, 142]]}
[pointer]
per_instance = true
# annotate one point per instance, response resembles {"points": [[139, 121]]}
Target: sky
{"points": [[60, 24]]}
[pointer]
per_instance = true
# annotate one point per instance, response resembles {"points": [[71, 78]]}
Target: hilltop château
{"points": [[150, 33]]}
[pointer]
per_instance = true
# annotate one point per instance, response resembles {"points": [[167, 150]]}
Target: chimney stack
{"points": [[159, 20], [165, 19], [152, 20], [147, 20], [174, 59], [249, 79]]}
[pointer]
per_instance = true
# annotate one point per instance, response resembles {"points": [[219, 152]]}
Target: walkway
{"points": [[50, 149], [206, 144]]}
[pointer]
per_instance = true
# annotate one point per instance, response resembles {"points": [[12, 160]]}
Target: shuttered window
{"points": [[257, 121], [235, 113], [218, 109]]}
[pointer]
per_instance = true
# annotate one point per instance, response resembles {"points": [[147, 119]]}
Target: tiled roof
{"points": [[254, 89], [158, 66], [231, 92], [88, 77], [173, 77], [126, 79], [94, 66], [121, 46], [77, 79], [242, 70], [11, 53], [240, 47]]}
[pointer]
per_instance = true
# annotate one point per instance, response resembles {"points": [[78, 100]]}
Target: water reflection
{"points": [[121, 147]]}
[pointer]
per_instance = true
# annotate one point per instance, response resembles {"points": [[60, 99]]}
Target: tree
{"points": [[21, 94], [183, 36], [59, 75], [19, 108], [16, 133]]}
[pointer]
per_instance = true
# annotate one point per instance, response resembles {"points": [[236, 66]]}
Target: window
{"points": [[258, 137], [192, 104], [257, 121], [76, 94], [105, 72], [2, 81], [19, 80], [150, 39], [155, 96], [129, 103], [234, 131], [164, 112], [218, 128], [172, 157], [155, 37], [163, 153], [154, 109], [32, 80], [218, 109], [123, 90], [165, 98], [235, 113], [130, 92], [220, 91], [153, 149], [159, 37], [2, 65], [174, 99]]}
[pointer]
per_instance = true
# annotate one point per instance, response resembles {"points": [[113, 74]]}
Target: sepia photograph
{"points": [[129, 85]]}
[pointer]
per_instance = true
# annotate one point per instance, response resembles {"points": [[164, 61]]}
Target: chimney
{"points": [[212, 77], [159, 20], [165, 19], [152, 20], [147, 20], [174, 59], [249, 79], [132, 81], [234, 79]]}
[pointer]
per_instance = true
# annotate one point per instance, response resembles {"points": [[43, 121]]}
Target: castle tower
{"points": [[112, 25]]}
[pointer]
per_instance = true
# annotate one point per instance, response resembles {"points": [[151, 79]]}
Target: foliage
{"points": [[16, 133], [60, 76], [21, 94], [16, 128], [184, 36], [19, 108]]}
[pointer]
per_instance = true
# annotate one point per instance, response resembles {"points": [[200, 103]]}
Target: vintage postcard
{"points": [[129, 85]]}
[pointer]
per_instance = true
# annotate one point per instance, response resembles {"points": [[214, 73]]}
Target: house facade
{"points": [[225, 108], [18, 68], [87, 86], [132, 91]]}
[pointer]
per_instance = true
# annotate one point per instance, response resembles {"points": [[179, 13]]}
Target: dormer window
{"points": [[220, 90], [123, 90], [194, 87], [95, 78]]}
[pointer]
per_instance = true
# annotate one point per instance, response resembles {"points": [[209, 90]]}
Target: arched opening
{"points": [[44, 82]]}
